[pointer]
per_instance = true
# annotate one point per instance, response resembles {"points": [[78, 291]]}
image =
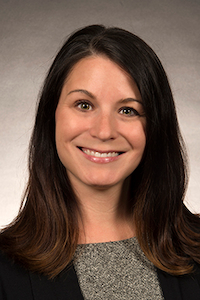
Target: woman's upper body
{"points": [[107, 162], [18, 283]]}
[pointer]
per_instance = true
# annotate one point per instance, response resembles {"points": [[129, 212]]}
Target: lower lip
{"points": [[100, 160]]}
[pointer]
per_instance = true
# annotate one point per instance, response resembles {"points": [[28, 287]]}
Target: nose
{"points": [[103, 127]]}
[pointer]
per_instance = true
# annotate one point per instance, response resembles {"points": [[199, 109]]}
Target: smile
{"points": [[99, 154]]}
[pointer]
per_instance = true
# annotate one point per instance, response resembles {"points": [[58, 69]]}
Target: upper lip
{"points": [[101, 151]]}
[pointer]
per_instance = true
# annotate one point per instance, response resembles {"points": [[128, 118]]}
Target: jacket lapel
{"points": [[64, 287]]}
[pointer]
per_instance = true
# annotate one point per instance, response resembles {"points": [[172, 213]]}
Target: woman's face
{"points": [[100, 127]]}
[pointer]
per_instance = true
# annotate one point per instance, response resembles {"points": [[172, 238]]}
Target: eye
{"points": [[128, 111], [83, 105]]}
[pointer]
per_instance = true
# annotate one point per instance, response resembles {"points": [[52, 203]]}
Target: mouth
{"points": [[100, 154]]}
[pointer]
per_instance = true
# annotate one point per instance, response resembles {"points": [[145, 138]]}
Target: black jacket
{"points": [[16, 283]]}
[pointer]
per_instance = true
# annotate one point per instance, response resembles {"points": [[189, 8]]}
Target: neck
{"points": [[104, 215]]}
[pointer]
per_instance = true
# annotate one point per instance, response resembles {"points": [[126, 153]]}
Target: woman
{"points": [[103, 214]]}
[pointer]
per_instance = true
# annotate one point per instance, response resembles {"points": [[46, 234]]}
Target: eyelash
{"points": [[81, 102], [132, 111]]}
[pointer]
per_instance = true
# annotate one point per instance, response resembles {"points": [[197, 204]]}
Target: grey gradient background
{"points": [[31, 32]]}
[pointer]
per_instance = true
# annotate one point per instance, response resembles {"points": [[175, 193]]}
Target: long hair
{"points": [[45, 233]]}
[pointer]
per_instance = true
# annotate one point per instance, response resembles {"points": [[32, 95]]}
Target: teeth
{"points": [[98, 154]]}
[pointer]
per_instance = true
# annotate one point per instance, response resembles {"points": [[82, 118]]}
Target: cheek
{"points": [[62, 132], [137, 137], [66, 126], [62, 138]]}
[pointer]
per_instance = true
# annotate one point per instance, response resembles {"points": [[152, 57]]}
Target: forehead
{"points": [[96, 62], [99, 72]]}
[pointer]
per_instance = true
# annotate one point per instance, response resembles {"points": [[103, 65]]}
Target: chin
{"points": [[103, 184]]}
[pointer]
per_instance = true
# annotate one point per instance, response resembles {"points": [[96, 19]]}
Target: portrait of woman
{"points": [[103, 214]]}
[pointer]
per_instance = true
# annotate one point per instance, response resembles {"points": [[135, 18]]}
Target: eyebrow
{"points": [[130, 100], [82, 91], [123, 101]]}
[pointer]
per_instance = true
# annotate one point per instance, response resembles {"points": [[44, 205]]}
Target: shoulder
{"points": [[14, 280], [18, 283], [10, 268], [187, 285]]}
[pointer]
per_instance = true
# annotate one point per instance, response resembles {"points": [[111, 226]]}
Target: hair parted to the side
{"points": [[44, 235]]}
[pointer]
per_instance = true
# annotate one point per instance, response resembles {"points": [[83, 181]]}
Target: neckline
{"points": [[109, 242]]}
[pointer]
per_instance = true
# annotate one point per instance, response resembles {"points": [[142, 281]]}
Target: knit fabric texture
{"points": [[116, 270]]}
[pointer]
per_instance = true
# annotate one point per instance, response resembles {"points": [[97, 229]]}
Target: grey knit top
{"points": [[116, 270]]}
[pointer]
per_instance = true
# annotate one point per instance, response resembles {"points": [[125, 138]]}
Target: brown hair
{"points": [[44, 235]]}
